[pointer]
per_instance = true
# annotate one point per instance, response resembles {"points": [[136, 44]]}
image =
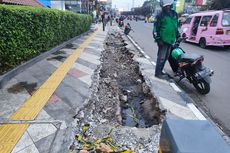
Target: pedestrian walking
{"points": [[165, 33], [103, 20]]}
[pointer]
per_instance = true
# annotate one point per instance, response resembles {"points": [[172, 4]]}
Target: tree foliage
{"points": [[147, 9], [217, 5]]}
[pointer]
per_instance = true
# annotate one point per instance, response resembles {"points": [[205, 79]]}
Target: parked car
{"points": [[210, 28], [141, 17]]}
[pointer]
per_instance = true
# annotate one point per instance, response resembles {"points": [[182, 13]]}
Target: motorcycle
{"points": [[190, 66], [127, 29], [121, 23]]}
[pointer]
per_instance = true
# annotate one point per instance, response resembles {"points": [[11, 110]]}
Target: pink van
{"points": [[211, 28]]}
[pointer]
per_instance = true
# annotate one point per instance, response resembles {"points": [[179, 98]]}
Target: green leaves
{"points": [[26, 31]]}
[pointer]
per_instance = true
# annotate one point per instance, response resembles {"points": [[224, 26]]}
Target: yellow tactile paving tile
{"points": [[31, 108], [10, 135]]}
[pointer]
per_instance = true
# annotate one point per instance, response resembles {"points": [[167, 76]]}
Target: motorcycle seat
{"points": [[189, 58]]}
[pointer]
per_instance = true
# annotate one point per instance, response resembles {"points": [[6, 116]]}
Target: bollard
{"points": [[191, 136]]}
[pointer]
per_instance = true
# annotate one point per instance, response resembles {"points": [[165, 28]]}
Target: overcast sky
{"points": [[126, 4]]}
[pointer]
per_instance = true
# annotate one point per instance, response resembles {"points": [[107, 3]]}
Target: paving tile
{"points": [[165, 90], [149, 72], [143, 60], [44, 145], [28, 79], [83, 68], [10, 83], [58, 57], [54, 99], [86, 79], [99, 39], [77, 85], [78, 41], [62, 141], [55, 63], [87, 64], [99, 45], [94, 48], [77, 73], [90, 58], [43, 115], [11, 102], [24, 142], [60, 111], [93, 51], [178, 110], [153, 78], [70, 96], [46, 67], [68, 50], [30, 149], [39, 131], [38, 73]]}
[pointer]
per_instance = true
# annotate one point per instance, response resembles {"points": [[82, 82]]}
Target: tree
{"points": [[216, 5], [147, 8]]}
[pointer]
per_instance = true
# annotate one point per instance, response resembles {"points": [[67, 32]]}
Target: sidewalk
{"points": [[39, 105], [41, 121]]}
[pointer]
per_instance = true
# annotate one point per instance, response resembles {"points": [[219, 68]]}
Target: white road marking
{"points": [[196, 111], [175, 87]]}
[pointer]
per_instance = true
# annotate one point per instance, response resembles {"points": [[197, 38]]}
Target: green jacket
{"points": [[166, 27]]}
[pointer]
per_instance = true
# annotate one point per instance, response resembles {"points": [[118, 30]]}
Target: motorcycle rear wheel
{"points": [[202, 86]]}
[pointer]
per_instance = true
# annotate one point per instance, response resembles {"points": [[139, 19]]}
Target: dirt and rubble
{"points": [[121, 114]]}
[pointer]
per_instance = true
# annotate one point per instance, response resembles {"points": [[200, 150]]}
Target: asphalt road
{"points": [[216, 104]]}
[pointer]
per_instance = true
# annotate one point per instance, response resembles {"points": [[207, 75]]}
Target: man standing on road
{"points": [[165, 33]]}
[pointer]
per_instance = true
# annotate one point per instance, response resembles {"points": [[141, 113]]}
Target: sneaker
{"points": [[163, 77]]}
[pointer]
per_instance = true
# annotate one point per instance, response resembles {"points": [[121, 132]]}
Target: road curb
{"points": [[9, 75]]}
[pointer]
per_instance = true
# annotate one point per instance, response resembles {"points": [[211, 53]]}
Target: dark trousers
{"points": [[164, 51]]}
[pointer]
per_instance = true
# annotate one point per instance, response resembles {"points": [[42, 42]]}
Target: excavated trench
{"points": [[120, 100], [138, 107]]}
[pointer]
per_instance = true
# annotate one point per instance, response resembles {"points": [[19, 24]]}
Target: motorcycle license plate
{"points": [[205, 72]]}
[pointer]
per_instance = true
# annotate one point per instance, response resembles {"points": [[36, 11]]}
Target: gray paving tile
{"points": [[40, 131], [24, 142], [165, 90], [38, 73], [12, 102], [88, 64], [60, 111], [77, 85], [28, 78], [67, 51], [92, 51], [97, 44], [69, 96], [44, 145], [30, 149], [78, 41], [62, 141]]}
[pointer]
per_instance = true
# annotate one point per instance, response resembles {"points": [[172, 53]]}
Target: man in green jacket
{"points": [[165, 33]]}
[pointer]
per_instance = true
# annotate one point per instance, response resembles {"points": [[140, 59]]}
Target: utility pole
{"points": [[133, 3]]}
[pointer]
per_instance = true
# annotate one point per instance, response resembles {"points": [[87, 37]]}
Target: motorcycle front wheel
{"points": [[202, 86]]}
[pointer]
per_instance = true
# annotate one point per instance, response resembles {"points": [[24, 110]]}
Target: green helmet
{"points": [[177, 52]]}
